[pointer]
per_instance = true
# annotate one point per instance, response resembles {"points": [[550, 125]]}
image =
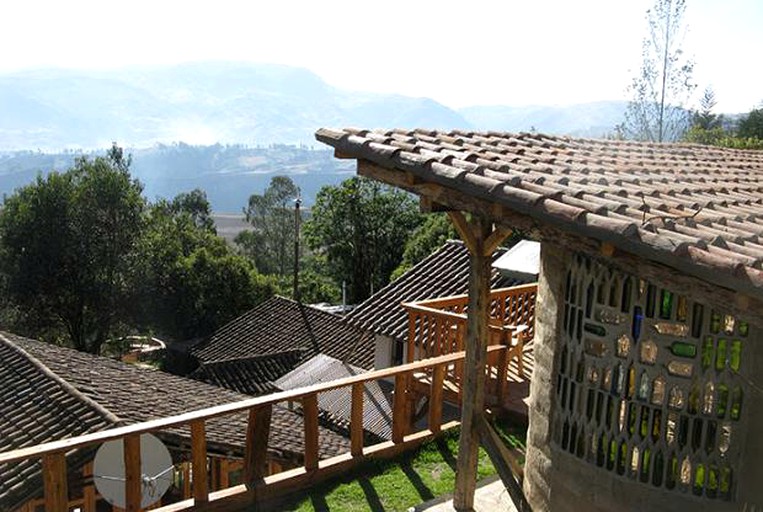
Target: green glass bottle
{"points": [[744, 328], [712, 481], [736, 403], [612, 454], [699, 479], [724, 486], [723, 400], [708, 352], [683, 349], [659, 469], [646, 462], [735, 358], [644, 428], [672, 474], [720, 356], [715, 322], [666, 305]]}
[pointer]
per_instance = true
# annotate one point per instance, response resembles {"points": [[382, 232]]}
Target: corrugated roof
{"points": [[377, 399], [695, 208], [280, 325], [49, 393], [444, 272]]}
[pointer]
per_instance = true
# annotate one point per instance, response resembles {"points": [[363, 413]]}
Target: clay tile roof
{"points": [[671, 203], [250, 375], [280, 325], [49, 393], [444, 272]]}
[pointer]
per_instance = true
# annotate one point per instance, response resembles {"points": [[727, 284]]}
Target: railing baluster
{"points": [[356, 420], [199, 456], [411, 336], [310, 412], [435, 398], [257, 434], [54, 482], [399, 415], [133, 477]]}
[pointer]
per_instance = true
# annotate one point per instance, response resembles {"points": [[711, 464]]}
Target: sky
{"points": [[475, 52]]}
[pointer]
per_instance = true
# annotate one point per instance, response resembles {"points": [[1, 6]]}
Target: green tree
{"points": [[751, 126], [271, 242], [190, 282], [426, 239], [361, 227], [663, 85], [68, 250]]}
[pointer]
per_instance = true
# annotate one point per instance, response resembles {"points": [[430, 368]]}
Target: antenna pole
{"points": [[297, 219]]}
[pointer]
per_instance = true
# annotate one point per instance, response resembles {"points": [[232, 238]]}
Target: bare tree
{"points": [[663, 86]]}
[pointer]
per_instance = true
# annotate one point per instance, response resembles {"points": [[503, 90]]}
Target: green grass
{"points": [[394, 485]]}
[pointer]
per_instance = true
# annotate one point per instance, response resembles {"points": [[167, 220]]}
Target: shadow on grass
{"points": [[446, 454], [372, 497], [318, 500], [425, 493]]}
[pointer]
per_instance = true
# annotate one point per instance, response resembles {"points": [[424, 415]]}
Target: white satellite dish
{"points": [[156, 471]]}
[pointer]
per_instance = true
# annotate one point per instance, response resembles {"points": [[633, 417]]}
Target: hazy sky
{"points": [[459, 53]]}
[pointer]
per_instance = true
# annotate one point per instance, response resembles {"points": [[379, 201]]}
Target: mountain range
{"points": [[228, 102]]}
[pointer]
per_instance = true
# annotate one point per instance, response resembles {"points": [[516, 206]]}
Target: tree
{"points": [[190, 282], [68, 250], [663, 85], [426, 239], [270, 244], [361, 227], [751, 126]]}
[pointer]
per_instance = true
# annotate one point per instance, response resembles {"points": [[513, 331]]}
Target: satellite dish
{"points": [[156, 469]]}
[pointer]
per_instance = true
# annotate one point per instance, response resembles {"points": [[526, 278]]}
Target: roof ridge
{"points": [[66, 386], [252, 358]]}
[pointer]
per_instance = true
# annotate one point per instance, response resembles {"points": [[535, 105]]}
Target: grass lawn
{"points": [[394, 485]]}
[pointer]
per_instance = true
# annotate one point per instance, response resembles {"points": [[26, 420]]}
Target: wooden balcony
{"points": [[438, 326]]}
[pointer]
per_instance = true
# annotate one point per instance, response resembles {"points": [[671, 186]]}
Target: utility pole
{"points": [[297, 218]]}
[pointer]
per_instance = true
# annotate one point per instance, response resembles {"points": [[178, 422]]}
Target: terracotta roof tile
{"points": [[280, 325], [609, 190], [49, 393]]}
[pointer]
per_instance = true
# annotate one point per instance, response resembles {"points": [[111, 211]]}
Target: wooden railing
{"points": [[260, 486], [438, 326]]}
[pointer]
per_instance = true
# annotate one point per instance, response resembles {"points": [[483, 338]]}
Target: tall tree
{"points": [[751, 125], [663, 85], [361, 226], [67, 249], [271, 241]]}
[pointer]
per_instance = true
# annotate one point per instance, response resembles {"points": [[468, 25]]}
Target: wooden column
{"points": [[481, 240], [133, 480], [257, 434], [54, 482], [310, 413], [356, 422], [199, 456]]}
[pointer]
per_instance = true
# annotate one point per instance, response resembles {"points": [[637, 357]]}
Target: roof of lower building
{"points": [[50, 393], [698, 209], [377, 399], [251, 375], [443, 273], [280, 325]]}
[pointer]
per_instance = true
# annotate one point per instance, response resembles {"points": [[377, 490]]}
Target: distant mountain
{"points": [[198, 103], [596, 119]]}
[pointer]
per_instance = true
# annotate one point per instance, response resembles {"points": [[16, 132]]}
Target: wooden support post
{"points": [[257, 434], [356, 420], [199, 456], [133, 476], [88, 492], [472, 403], [411, 349], [399, 406], [54, 482], [310, 413], [435, 398], [224, 474]]}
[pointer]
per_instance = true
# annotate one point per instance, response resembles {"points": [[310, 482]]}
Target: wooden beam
{"points": [[310, 413], [464, 230], [88, 492], [257, 435], [504, 464], [54, 482], [429, 205], [495, 239], [199, 456], [356, 420], [473, 389], [133, 476]]}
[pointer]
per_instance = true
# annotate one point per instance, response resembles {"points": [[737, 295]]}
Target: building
{"points": [[649, 306]]}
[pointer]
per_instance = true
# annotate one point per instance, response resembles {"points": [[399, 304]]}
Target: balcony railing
{"points": [[261, 486], [438, 326]]}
